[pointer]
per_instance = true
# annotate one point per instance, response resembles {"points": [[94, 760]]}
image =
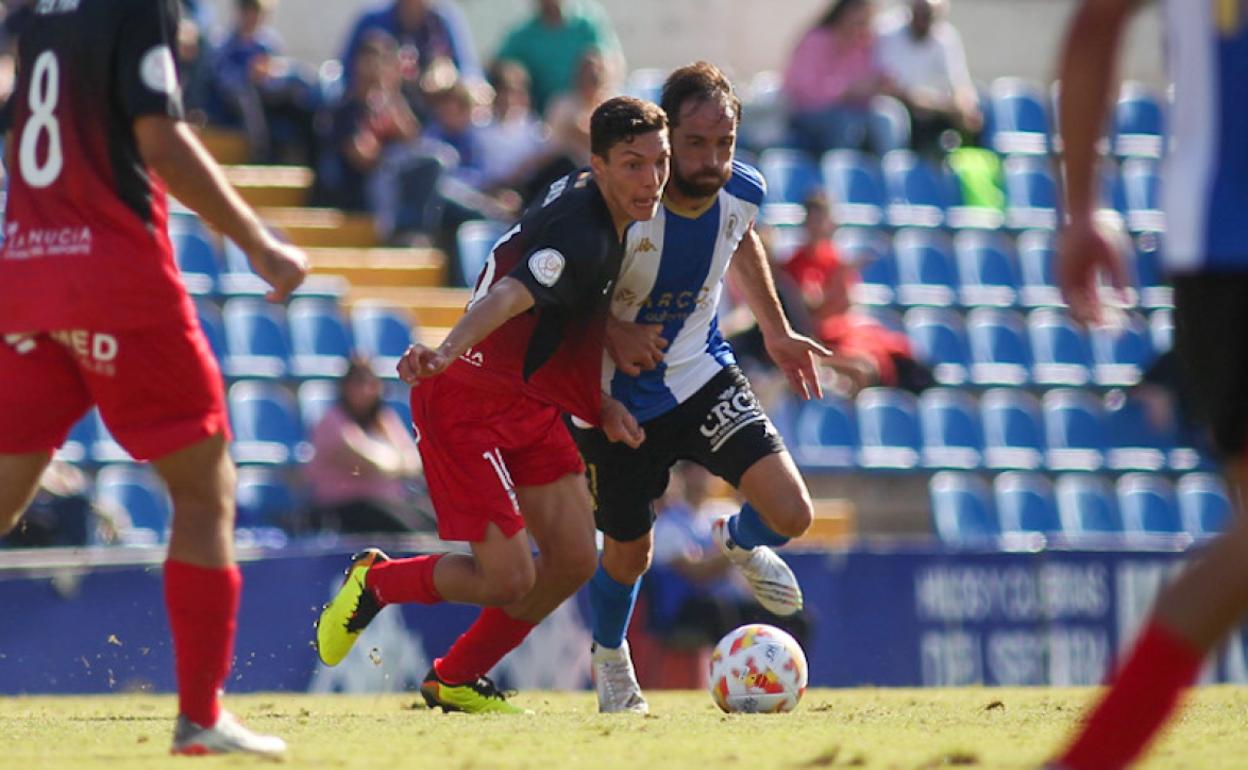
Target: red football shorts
{"points": [[158, 389], [478, 445]]}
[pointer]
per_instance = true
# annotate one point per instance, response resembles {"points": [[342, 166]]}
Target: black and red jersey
{"points": [[85, 240], [567, 252]]}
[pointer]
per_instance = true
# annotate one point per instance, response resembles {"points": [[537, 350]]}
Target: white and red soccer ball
{"points": [[758, 669]]}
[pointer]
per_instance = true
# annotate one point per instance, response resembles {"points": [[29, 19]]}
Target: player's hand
{"points": [[421, 362], [635, 348], [282, 266], [1084, 252], [795, 355], [619, 424]]}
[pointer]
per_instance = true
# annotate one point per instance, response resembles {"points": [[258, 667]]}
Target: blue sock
{"points": [[611, 606], [748, 530]]}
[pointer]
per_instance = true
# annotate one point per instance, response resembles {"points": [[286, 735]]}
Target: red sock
{"points": [[405, 581], [493, 635], [1140, 699], [202, 604]]}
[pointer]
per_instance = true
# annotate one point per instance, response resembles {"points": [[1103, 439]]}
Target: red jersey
{"points": [[567, 253], [86, 245]]}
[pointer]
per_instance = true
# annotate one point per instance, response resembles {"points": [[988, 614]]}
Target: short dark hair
{"points": [[838, 10], [701, 81], [621, 119]]}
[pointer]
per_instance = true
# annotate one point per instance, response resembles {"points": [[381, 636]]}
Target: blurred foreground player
{"points": [[1206, 185], [487, 407], [92, 310]]}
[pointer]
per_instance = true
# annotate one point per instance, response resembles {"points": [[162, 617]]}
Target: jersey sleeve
{"points": [[564, 264], [147, 72], [748, 186]]}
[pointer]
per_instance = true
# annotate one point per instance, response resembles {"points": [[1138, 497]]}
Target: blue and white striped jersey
{"points": [[1205, 185], [672, 274]]}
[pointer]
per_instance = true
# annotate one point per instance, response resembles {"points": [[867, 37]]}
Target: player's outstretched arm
{"points": [[505, 300], [1087, 73], [171, 150], [794, 353]]}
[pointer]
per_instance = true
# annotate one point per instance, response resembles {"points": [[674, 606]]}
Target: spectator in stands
{"points": [[515, 142], [867, 352], [372, 118], [922, 54], [694, 593], [263, 92], [832, 80], [427, 31], [552, 45], [568, 115], [61, 513], [452, 122], [364, 463]]}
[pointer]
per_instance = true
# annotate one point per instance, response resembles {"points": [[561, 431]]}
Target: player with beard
{"points": [[669, 364]]}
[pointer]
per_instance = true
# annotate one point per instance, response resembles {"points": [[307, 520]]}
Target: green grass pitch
{"points": [[868, 728]]}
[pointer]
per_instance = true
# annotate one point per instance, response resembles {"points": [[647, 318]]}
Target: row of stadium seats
{"points": [[271, 424], [313, 337], [989, 346], [903, 190], [1005, 429], [266, 499], [966, 511], [973, 269]]}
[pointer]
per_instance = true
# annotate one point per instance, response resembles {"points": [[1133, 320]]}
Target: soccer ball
{"points": [[757, 668]]}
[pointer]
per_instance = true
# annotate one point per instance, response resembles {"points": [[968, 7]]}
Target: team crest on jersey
{"points": [[547, 265], [158, 70]]}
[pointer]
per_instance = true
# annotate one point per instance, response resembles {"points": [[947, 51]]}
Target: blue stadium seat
{"points": [[1139, 122], [1000, 354], [256, 337], [1060, 349], [764, 119], [197, 259], [784, 241], [1135, 442], [855, 189], [266, 423], [888, 429], [987, 268], [1019, 122], [825, 434], [1025, 503], [399, 398], [926, 271], [1013, 432], [105, 448], [315, 397], [77, 446], [1204, 505], [962, 509], [1147, 505], [1121, 353], [212, 325], [473, 243], [1037, 262], [952, 437], [137, 491], [382, 335], [1141, 180], [1161, 330], [265, 498], [1086, 506], [871, 252], [319, 339], [917, 192], [1030, 194], [1074, 429], [792, 177], [1149, 274], [938, 338]]}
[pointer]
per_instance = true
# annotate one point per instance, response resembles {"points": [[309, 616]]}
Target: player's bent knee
{"points": [[793, 518], [626, 562], [505, 587]]}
